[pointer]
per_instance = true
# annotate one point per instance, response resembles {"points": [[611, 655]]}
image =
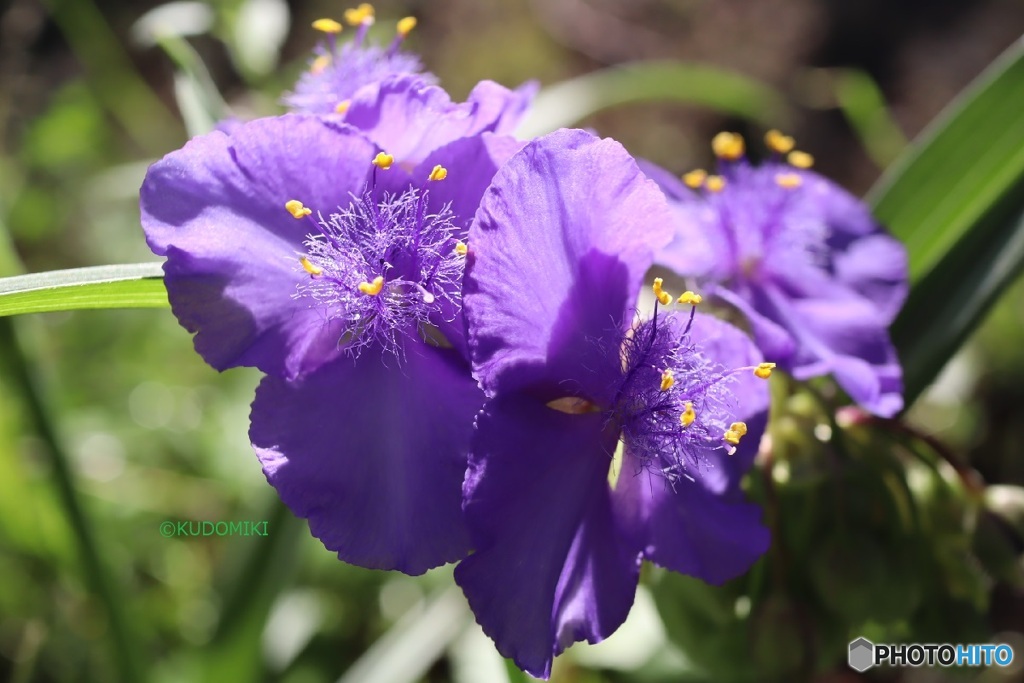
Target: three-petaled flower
{"points": [[814, 273], [558, 250], [331, 258]]}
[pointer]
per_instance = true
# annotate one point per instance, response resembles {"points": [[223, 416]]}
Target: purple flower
{"points": [[410, 119], [338, 71], [296, 245], [557, 253], [817, 277]]}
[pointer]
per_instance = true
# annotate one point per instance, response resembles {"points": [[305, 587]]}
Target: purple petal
{"points": [[876, 268], [690, 529], [471, 163], [373, 455], [409, 119], [551, 566], [844, 334], [216, 209], [557, 254], [698, 247], [777, 344], [750, 397]]}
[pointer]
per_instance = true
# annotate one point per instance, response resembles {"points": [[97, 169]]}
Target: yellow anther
{"points": [[715, 183], [695, 179], [360, 15], [310, 268], [327, 26], [800, 159], [667, 379], [406, 25], [777, 142], [297, 209], [788, 181], [439, 173], [739, 427], [460, 248], [728, 146], [664, 298], [372, 288], [383, 161], [319, 64], [688, 415], [691, 298], [764, 370], [732, 437], [342, 106]]}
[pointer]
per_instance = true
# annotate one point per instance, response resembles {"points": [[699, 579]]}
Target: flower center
{"points": [[339, 70], [674, 404], [383, 265]]}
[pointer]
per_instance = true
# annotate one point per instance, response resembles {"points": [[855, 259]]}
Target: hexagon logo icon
{"points": [[862, 655]]}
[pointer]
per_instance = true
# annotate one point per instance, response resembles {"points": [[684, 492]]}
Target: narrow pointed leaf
{"points": [[957, 199], [959, 167], [138, 285], [565, 104]]}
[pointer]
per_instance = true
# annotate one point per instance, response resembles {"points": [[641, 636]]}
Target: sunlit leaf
{"points": [[957, 199], [957, 170], [138, 285], [567, 103]]}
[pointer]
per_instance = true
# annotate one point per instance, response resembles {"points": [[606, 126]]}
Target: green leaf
{"points": [[958, 169], [198, 99], [953, 298], [138, 285], [567, 103], [863, 105], [957, 200]]}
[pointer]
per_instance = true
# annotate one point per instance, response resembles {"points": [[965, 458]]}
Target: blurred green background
{"points": [[87, 101]]}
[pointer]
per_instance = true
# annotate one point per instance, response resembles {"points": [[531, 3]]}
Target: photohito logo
{"points": [[864, 654]]}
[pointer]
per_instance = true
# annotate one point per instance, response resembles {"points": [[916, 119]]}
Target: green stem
{"points": [[17, 371]]}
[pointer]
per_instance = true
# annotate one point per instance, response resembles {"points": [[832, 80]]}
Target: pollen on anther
{"points": [[342, 106], [694, 179], [788, 181], [319, 64], [297, 209], [689, 297], [728, 146], [778, 143], [327, 26], [460, 248], [664, 298], [667, 379], [406, 25], [715, 183], [310, 267], [734, 433], [372, 288], [383, 161], [689, 415], [764, 370], [800, 159], [439, 173], [363, 14]]}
